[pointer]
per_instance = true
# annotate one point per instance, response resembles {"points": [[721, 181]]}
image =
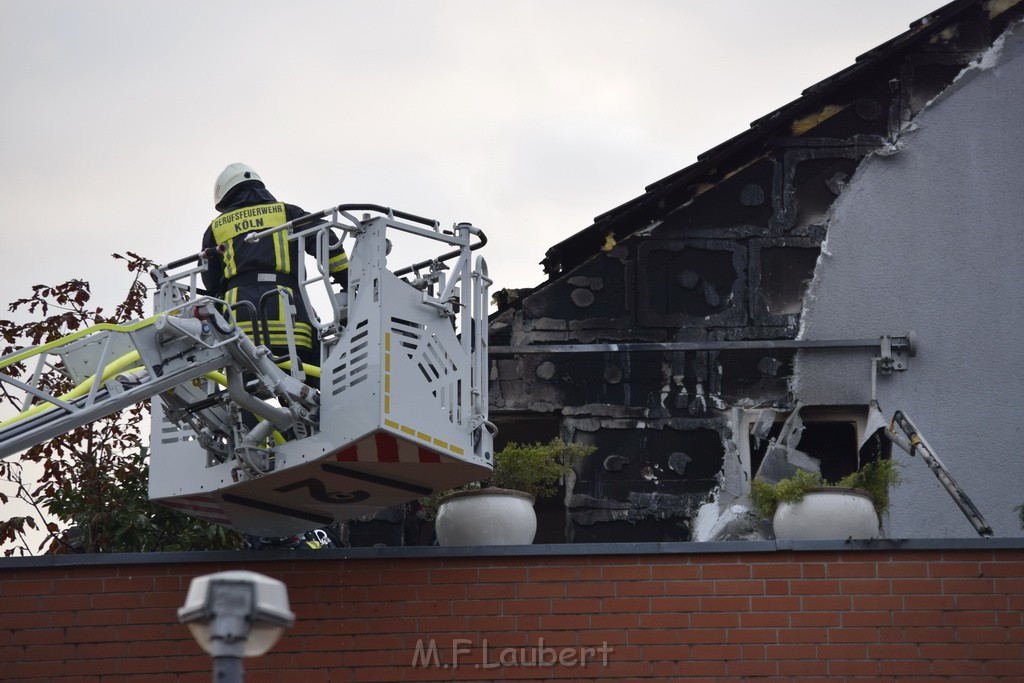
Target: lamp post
{"points": [[235, 614]]}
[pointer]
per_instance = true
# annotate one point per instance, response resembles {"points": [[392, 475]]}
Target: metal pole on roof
{"points": [[894, 349]]}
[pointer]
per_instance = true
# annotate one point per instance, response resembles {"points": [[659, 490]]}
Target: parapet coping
{"points": [[542, 550]]}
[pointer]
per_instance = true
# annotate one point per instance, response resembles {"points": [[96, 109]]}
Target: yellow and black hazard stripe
{"points": [[405, 429], [276, 325], [338, 263]]}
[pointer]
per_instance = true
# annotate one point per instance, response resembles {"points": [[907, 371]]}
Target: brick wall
{"points": [[652, 612]]}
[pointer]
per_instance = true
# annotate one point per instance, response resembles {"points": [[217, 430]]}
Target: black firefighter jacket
{"points": [[246, 272]]}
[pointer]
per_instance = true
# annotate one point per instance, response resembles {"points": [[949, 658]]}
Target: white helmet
{"points": [[232, 175]]}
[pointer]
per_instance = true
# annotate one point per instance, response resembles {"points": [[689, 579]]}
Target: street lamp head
{"points": [[236, 613]]}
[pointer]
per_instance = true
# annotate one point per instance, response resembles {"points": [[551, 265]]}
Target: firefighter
{"points": [[248, 271]]}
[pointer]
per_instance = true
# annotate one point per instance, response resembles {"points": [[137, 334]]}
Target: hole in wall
{"points": [[785, 274], [815, 185], [831, 435], [927, 82]]}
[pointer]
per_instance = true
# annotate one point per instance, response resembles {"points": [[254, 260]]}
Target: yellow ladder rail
{"points": [[117, 365], [57, 343]]}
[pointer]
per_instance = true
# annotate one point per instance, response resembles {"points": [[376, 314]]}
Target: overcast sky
{"points": [[527, 118]]}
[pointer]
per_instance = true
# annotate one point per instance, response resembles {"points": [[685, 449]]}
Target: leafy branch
{"points": [[87, 489]]}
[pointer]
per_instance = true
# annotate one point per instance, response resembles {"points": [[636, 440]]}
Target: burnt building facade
{"points": [[674, 333]]}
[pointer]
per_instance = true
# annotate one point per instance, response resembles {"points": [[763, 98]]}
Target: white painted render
{"points": [[930, 238]]}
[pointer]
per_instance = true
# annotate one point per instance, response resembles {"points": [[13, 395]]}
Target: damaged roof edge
{"points": [[762, 131]]}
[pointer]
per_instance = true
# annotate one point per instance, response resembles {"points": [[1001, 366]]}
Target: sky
{"points": [[526, 118]]}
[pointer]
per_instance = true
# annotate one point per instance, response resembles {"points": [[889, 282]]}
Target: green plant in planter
{"points": [[534, 468], [876, 478], [1020, 511]]}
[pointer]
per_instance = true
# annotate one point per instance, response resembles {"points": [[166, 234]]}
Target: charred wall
{"points": [[723, 253]]}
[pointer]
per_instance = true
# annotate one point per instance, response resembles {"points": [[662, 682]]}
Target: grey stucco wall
{"points": [[931, 239]]}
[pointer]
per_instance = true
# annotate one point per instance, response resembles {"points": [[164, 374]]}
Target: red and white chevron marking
{"points": [[382, 447], [200, 506]]}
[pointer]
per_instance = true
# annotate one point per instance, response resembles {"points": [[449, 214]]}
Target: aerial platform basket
{"points": [[403, 388], [402, 410]]}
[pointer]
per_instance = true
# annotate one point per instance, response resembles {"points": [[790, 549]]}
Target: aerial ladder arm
{"points": [[116, 366]]}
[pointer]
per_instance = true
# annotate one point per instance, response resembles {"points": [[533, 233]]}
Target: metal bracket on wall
{"points": [[893, 350]]}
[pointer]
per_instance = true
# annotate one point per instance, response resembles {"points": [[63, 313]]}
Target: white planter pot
{"points": [[827, 513], [486, 517]]}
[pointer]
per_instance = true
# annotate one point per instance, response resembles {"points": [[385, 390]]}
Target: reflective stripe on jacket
{"points": [[249, 207], [241, 256], [272, 314]]}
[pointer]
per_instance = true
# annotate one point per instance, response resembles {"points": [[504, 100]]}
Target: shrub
{"points": [[876, 478], [534, 468]]}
